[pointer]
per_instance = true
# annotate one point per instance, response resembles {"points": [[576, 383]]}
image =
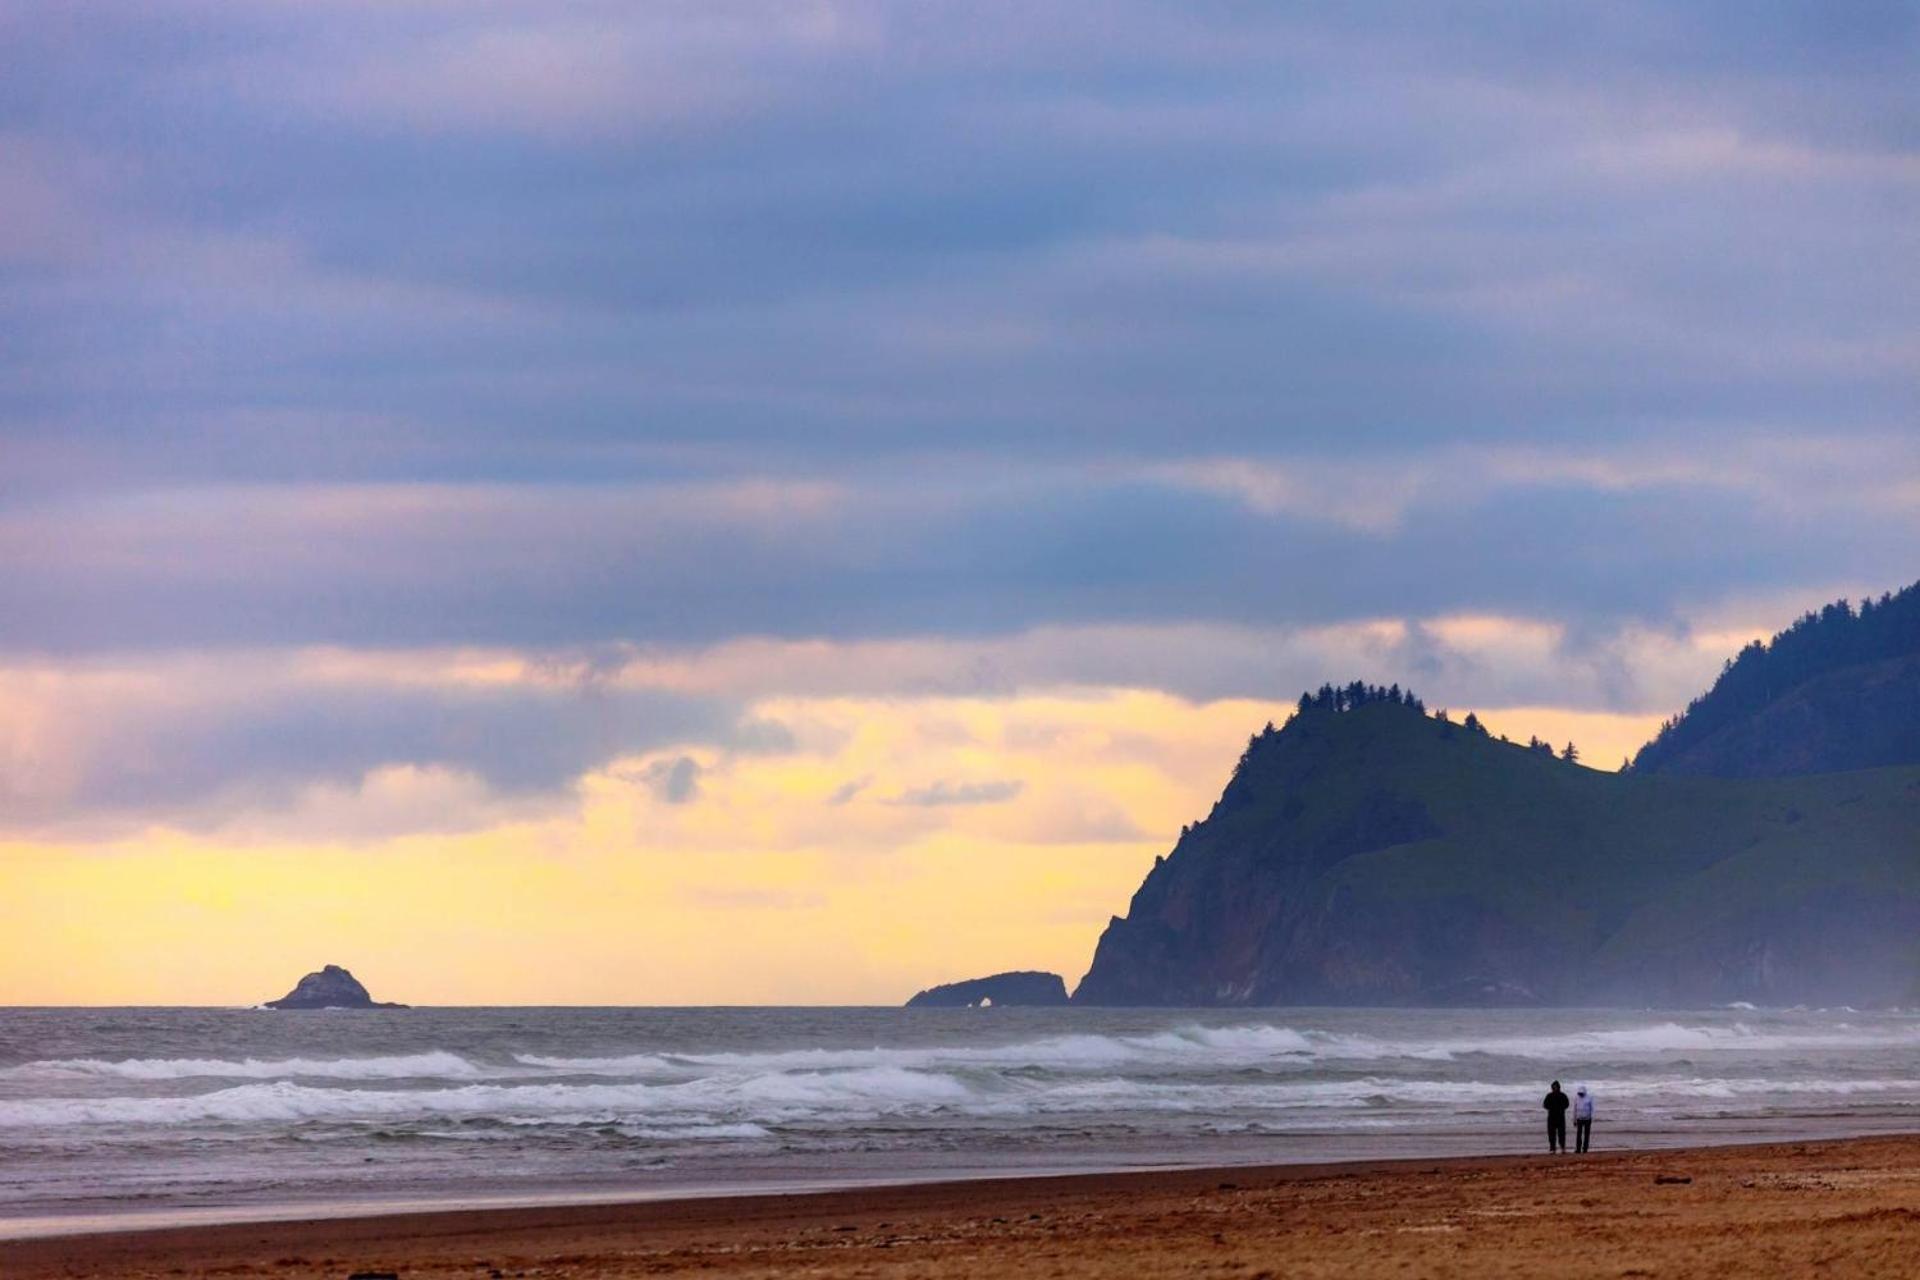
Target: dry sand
{"points": [[1828, 1208]]}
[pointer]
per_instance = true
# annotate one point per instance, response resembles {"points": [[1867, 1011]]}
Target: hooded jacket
{"points": [[1582, 1104]]}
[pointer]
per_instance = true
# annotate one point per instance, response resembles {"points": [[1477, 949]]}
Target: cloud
{"points": [[940, 793], [1611, 535], [846, 791], [714, 357], [207, 742], [608, 238], [358, 742], [675, 781]]}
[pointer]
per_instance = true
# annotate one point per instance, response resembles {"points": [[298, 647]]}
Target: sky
{"points": [[729, 502]]}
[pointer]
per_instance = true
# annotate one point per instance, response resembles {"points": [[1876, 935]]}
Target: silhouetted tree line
{"points": [[1337, 699], [1330, 699], [1352, 697], [1822, 640], [1327, 699]]}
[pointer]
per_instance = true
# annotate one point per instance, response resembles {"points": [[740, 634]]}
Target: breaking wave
{"points": [[864, 1095], [435, 1065], [1248, 1045], [1184, 1048], [224, 1106]]}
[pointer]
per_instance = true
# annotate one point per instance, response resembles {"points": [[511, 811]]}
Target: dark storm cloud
{"points": [[388, 324], [684, 565], [202, 745], [539, 244]]}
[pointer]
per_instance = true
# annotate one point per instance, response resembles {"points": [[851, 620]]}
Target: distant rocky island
{"points": [[330, 988], [1765, 848], [1024, 987]]}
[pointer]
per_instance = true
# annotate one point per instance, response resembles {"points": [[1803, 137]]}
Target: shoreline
{"points": [[54, 1226], [973, 1224]]}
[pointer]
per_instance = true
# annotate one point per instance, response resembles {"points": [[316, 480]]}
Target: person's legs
{"points": [[1581, 1129], [1556, 1133]]}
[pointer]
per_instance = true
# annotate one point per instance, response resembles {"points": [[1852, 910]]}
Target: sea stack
{"points": [[1021, 988], [330, 988]]}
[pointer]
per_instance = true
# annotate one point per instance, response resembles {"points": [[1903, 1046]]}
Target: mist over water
{"points": [[197, 1111]]}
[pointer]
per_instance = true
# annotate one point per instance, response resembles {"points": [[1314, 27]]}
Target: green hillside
{"points": [[1838, 690], [1380, 855]]}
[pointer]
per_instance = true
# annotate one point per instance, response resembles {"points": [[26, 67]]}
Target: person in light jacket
{"points": [[1582, 1119]]}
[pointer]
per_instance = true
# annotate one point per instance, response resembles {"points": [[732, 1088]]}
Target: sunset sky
{"points": [[794, 502]]}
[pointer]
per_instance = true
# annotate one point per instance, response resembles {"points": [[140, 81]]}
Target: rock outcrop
{"points": [[330, 988], [1022, 987]]}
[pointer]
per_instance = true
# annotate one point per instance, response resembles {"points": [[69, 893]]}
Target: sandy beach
{"points": [[1836, 1208]]}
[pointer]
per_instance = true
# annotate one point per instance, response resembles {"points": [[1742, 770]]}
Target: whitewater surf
{"points": [[193, 1112]]}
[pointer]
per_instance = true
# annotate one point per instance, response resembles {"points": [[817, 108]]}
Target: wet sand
{"points": [[1849, 1208]]}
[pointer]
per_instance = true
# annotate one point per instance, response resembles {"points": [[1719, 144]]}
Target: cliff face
{"points": [[1380, 856], [330, 988], [1021, 987]]}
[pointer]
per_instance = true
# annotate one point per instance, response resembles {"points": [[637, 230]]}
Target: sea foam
{"points": [[347, 1106], [437, 1064]]}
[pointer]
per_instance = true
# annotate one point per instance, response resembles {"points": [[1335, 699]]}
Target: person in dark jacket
{"points": [[1556, 1104]]}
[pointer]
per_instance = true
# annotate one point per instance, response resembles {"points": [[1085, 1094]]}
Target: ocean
{"points": [[123, 1116]]}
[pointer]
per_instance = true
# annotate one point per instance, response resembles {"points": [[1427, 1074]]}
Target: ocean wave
{"points": [[1675, 1037], [869, 1094], [1250, 1044], [436, 1064], [873, 1091], [1243, 1045], [1186, 1049], [624, 1064]]}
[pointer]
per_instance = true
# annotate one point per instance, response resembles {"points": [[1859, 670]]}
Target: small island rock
{"points": [[1023, 987], [330, 988]]}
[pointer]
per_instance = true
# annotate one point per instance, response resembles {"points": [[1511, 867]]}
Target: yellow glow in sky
{"points": [[896, 843], [902, 842]]}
